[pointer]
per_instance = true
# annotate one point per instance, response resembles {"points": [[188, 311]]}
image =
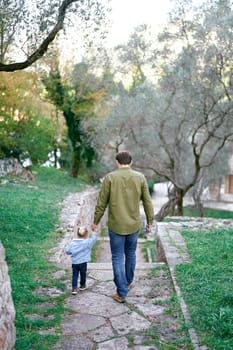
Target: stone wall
{"points": [[77, 210], [7, 310], [11, 166]]}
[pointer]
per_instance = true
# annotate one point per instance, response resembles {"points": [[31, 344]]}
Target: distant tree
{"points": [[26, 127], [107, 128], [136, 55], [30, 27], [76, 99]]}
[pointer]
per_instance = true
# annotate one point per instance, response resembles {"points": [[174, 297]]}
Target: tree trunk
{"points": [[200, 209], [180, 199], [55, 157], [75, 166], [168, 207], [198, 203], [176, 196]]}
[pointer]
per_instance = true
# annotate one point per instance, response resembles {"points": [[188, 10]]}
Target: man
{"points": [[121, 192]]}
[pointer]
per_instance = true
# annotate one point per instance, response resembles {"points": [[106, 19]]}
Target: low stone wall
{"points": [[77, 210], [169, 242], [7, 310], [11, 166]]}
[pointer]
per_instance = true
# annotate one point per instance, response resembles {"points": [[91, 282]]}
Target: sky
{"points": [[126, 14]]}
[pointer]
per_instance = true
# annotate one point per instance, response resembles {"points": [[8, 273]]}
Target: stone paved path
{"points": [[96, 322], [150, 319]]}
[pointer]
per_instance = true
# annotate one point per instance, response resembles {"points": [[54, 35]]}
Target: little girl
{"points": [[80, 251]]}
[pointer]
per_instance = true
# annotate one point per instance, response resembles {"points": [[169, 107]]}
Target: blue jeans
{"points": [[76, 269], [123, 249]]}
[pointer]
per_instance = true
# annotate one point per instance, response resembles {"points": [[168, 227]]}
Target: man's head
{"points": [[124, 158]]}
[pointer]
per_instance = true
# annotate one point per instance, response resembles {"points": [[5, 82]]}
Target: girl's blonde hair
{"points": [[82, 232]]}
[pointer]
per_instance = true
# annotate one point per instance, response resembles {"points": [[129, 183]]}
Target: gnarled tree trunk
{"points": [[174, 205]]}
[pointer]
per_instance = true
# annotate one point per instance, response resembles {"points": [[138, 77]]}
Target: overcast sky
{"points": [[126, 14]]}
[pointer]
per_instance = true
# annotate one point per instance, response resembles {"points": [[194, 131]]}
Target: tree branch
{"points": [[44, 46]]}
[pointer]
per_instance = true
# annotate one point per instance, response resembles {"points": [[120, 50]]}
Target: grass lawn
{"points": [[28, 229], [209, 213], [207, 286]]}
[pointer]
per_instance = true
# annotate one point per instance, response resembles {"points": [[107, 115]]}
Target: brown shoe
{"points": [[119, 299]]}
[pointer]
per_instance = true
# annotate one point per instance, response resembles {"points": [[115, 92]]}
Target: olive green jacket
{"points": [[121, 191]]}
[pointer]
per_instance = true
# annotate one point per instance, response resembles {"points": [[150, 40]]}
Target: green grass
{"points": [[148, 247], [209, 213], [207, 286], [29, 216]]}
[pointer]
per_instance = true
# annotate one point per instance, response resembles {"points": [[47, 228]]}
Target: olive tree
{"points": [[28, 27], [136, 56], [182, 124]]}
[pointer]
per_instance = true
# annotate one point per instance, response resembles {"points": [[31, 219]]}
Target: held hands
{"points": [[94, 227], [149, 227]]}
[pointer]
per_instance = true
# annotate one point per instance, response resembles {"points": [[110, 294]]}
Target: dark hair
{"points": [[124, 158]]}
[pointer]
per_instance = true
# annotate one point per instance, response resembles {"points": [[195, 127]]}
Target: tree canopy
{"points": [[32, 26], [26, 123], [179, 124]]}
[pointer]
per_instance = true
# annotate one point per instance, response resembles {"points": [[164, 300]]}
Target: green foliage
{"points": [[55, 90], [76, 105], [7, 132], [38, 138], [33, 137], [26, 127], [206, 284], [28, 229]]}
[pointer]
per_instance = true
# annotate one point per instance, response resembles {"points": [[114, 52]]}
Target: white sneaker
{"points": [[82, 287]]}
